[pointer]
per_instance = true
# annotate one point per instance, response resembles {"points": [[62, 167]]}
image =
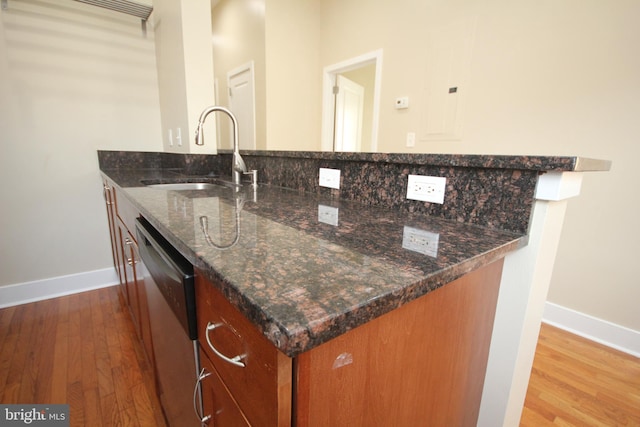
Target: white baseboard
{"points": [[22, 293], [592, 328], [601, 331]]}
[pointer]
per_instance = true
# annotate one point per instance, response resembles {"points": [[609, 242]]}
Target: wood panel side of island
{"points": [[421, 364]]}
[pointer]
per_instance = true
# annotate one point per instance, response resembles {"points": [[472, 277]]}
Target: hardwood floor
{"points": [[576, 382], [83, 350]]}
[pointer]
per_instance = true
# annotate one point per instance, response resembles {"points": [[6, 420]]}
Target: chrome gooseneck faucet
{"points": [[238, 167]]}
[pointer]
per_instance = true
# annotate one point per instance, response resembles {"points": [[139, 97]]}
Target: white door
{"points": [[349, 111], [242, 104]]}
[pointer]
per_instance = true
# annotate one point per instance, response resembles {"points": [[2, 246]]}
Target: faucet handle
{"points": [[254, 177]]}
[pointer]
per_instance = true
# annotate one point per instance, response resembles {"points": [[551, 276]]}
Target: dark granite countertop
{"points": [[298, 277], [484, 161]]}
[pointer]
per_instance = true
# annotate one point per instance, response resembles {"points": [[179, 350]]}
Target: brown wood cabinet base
{"points": [[121, 215], [421, 364]]}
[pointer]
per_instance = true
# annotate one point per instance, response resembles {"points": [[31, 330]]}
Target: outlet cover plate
{"points": [[328, 214], [330, 178], [426, 188], [421, 241]]}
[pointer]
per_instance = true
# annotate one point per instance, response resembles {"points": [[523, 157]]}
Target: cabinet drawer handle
{"points": [[197, 398], [105, 190], [129, 242], [237, 360]]}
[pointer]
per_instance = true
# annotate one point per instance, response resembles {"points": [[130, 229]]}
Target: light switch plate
{"points": [[330, 178], [178, 137], [411, 139]]}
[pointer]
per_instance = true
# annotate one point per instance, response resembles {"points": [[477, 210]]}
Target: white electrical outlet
{"points": [[421, 241], [426, 188], [330, 178], [328, 215]]}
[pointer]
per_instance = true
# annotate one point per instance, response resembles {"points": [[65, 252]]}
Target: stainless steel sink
{"points": [[187, 186]]}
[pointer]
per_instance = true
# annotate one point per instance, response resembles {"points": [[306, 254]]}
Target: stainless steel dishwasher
{"points": [[171, 297]]}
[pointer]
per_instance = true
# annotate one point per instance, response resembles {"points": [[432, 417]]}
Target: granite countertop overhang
{"points": [[306, 267]]}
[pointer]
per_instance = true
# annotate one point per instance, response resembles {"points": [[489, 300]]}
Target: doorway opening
{"points": [[351, 103], [242, 103]]}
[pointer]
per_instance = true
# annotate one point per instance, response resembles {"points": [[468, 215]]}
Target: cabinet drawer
{"points": [[262, 385], [219, 408], [126, 212]]}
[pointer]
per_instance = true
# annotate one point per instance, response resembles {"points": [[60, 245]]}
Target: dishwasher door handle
{"points": [[236, 360]]}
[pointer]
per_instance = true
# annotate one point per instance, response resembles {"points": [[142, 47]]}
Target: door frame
{"points": [[329, 74]]}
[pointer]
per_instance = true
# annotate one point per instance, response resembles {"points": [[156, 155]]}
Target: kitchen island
{"points": [[377, 308]]}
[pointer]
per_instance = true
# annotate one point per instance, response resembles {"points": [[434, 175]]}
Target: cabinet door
{"points": [[138, 296], [219, 408], [126, 259], [109, 199], [131, 289], [121, 261], [145, 324]]}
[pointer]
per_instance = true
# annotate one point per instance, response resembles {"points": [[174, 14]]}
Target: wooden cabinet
{"points": [[121, 215], [109, 193], [129, 267], [134, 286], [144, 327], [257, 375], [421, 364]]}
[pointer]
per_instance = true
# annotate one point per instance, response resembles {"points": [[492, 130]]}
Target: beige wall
{"points": [[558, 78], [294, 79], [238, 38], [185, 69], [282, 40], [73, 79], [541, 78]]}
